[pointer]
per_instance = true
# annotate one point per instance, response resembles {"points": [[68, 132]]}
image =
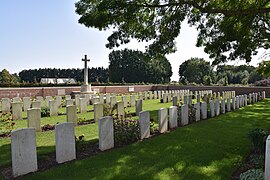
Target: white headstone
{"points": [[65, 142], [37, 104], [23, 151], [223, 108], [120, 108], [113, 101], [173, 116], [138, 106], [124, 99], [228, 105], [16, 110], [267, 159], [34, 118], [16, 99], [186, 99], [53, 108], [5, 105], [48, 99], [72, 114], [69, 102], [67, 97], [233, 104], [132, 101], [165, 98], [77, 100], [59, 101], [217, 107], [101, 98], [155, 95], [245, 100], [150, 94], [169, 97], [197, 111], [145, 95], [159, 94], [203, 110], [26, 103], [237, 102], [98, 111], [105, 133], [144, 121], [83, 105], [163, 120], [184, 114], [108, 98], [212, 108], [40, 98], [175, 101]]}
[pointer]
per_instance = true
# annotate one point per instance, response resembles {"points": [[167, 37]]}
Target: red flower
{"points": [[13, 123]]}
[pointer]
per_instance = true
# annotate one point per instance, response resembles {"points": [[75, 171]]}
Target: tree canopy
{"points": [[98, 74], [133, 66], [194, 70], [199, 71], [228, 29], [264, 68], [7, 78]]}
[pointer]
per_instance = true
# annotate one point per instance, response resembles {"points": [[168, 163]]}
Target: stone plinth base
{"points": [[86, 88]]}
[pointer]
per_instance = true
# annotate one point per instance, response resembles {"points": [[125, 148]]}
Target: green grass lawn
{"points": [[210, 149]]}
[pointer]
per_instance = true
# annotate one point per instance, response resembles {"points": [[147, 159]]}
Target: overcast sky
{"points": [[46, 34]]}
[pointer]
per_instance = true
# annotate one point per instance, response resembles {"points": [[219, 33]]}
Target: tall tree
{"points": [[134, 66], [7, 78], [194, 70], [228, 29]]}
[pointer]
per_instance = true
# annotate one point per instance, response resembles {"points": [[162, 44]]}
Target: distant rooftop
{"points": [[58, 81]]}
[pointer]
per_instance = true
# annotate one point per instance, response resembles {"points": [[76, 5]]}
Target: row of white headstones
{"points": [[23, 141], [53, 103]]}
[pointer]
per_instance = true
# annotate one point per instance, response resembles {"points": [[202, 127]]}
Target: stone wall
{"points": [[53, 91]]}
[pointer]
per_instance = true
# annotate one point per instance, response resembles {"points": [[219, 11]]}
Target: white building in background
{"points": [[58, 81]]}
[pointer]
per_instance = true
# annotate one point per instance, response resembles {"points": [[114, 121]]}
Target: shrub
{"points": [[264, 82], [45, 112], [252, 174], [108, 110], [126, 131], [80, 142], [153, 126], [258, 137], [191, 114], [47, 127], [6, 123]]}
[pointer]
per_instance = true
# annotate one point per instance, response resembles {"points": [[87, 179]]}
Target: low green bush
{"points": [[258, 137], [126, 131], [45, 112], [252, 174]]}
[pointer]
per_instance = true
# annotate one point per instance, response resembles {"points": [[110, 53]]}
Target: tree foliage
{"points": [[228, 29], [264, 68], [197, 70], [134, 66], [7, 78], [99, 74], [194, 70]]}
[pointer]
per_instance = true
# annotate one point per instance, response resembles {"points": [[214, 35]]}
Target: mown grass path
{"points": [[210, 149]]}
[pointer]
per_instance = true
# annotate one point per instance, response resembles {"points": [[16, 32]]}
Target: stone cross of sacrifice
{"points": [[85, 69]]}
